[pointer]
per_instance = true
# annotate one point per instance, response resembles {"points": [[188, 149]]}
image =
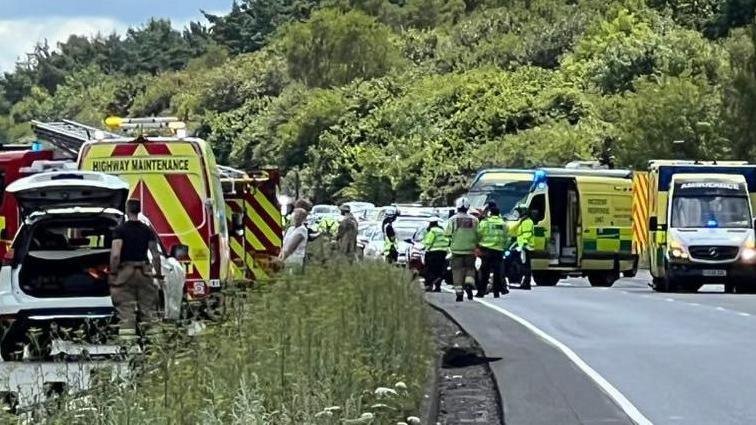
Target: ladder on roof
{"points": [[68, 135]]}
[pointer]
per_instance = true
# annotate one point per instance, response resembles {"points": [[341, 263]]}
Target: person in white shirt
{"points": [[295, 242]]}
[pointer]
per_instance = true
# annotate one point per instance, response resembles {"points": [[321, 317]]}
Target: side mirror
{"points": [[237, 223], [653, 222], [180, 252], [754, 223]]}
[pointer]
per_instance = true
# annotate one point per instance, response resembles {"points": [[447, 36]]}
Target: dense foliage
{"points": [[328, 348], [406, 99]]}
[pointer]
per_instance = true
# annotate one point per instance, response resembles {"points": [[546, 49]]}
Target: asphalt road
{"points": [[659, 358]]}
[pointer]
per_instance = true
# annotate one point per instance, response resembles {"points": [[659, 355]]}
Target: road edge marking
{"points": [[626, 405]]}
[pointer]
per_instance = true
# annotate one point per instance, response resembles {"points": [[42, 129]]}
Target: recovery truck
{"points": [[701, 227], [583, 222]]}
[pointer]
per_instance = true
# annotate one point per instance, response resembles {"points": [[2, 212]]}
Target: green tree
{"points": [[659, 114], [334, 48]]}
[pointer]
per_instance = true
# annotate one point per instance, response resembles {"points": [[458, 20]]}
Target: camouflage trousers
{"points": [[134, 289]]}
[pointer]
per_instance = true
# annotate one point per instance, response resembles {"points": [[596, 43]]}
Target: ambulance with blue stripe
{"points": [[583, 222]]}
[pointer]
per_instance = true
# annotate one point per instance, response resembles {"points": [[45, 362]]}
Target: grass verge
{"points": [[346, 344]]}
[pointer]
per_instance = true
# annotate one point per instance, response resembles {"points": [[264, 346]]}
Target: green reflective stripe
{"points": [[608, 239]]}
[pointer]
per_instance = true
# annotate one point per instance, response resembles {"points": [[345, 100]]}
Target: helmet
{"points": [[462, 203], [345, 208], [391, 212]]}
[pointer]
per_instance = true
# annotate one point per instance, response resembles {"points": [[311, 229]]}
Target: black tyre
{"points": [[603, 279], [12, 348], [661, 284], [546, 278], [729, 288], [630, 273]]}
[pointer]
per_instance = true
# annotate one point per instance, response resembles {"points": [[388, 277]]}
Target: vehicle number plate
{"points": [[715, 273]]}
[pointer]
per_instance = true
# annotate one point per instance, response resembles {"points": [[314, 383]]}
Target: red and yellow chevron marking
{"points": [[263, 230], [640, 212], [172, 199]]}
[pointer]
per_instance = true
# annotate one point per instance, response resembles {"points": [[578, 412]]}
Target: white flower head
{"points": [[332, 409], [324, 413], [413, 420], [383, 392], [367, 416], [400, 386]]}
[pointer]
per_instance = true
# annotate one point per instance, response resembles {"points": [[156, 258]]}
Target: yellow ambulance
{"points": [[583, 221]]}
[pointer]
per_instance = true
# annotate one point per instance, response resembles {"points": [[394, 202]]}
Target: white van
{"points": [[55, 276], [710, 234]]}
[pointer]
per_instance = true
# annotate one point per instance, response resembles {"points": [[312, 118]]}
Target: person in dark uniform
{"points": [[132, 278]]}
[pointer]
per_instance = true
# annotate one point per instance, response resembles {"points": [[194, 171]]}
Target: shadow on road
{"points": [[460, 357]]}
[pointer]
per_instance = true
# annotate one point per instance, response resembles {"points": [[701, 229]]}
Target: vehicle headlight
{"points": [[677, 250], [748, 254]]}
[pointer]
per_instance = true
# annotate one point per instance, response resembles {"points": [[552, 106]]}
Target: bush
{"points": [[310, 349]]}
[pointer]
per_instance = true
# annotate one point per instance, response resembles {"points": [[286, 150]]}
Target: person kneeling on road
{"points": [[132, 278], [461, 230], [436, 245], [492, 235]]}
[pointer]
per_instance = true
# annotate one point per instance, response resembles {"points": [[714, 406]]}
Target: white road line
{"points": [[671, 300], [744, 314], [626, 405], [721, 309], [695, 304]]}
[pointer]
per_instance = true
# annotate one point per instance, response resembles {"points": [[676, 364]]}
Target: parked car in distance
{"points": [[405, 228], [357, 207], [57, 276], [374, 243]]}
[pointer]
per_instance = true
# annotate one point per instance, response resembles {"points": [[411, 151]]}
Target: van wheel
{"points": [[12, 347], [729, 288], [603, 279], [546, 278], [661, 284], [630, 273]]}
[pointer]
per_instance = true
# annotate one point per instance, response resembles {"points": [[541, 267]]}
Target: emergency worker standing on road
{"points": [[461, 230], [390, 244], [492, 235], [436, 245], [346, 237], [526, 244], [131, 279]]}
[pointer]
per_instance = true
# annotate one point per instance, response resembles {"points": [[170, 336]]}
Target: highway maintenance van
{"points": [[583, 222], [701, 227], [179, 184]]}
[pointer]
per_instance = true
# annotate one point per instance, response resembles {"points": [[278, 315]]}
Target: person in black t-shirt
{"points": [[132, 283]]}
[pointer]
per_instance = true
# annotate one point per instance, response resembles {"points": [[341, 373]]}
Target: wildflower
{"points": [[332, 409], [324, 413], [400, 386], [413, 420], [367, 416], [379, 406], [383, 391]]}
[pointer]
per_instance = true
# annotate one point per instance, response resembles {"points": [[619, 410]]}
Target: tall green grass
{"points": [[347, 344]]}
